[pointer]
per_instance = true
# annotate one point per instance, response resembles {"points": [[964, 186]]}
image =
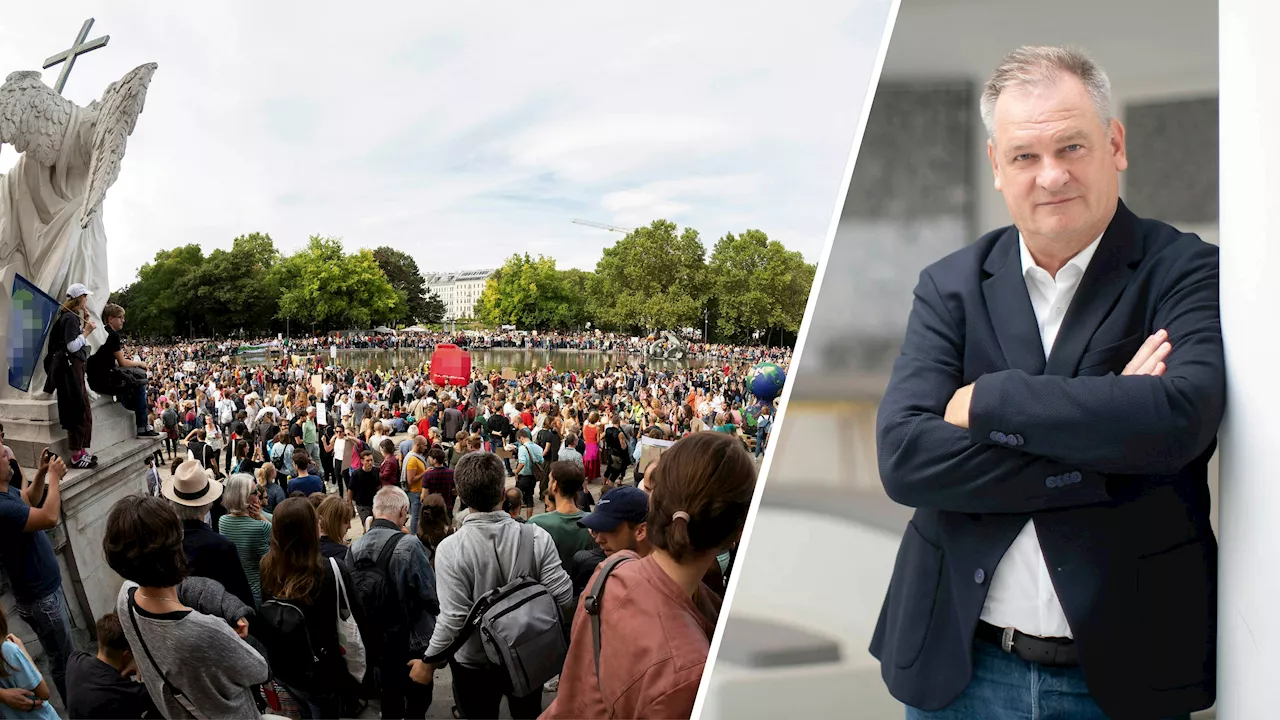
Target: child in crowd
{"points": [[18, 670], [104, 686]]}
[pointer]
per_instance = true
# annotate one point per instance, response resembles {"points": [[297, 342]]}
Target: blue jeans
{"points": [[415, 509], [762, 437], [48, 617], [136, 400], [1005, 687]]}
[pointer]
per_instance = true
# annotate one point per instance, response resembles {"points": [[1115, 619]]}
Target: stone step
{"points": [[32, 426]]}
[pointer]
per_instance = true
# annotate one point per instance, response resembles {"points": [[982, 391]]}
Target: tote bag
{"points": [[348, 632]]}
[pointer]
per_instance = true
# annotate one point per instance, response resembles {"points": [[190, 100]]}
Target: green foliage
{"points": [[234, 288], [577, 284], [432, 309], [758, 285], [528, 293], [656, 278], [322, 285], [651, 279], [402, 272], [163, 300]]}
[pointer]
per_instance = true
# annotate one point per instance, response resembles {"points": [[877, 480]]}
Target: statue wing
{"points": [[33, 118], [117, 115]]}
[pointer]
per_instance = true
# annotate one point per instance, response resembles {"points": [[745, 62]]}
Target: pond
{"points": [[518, 358]]}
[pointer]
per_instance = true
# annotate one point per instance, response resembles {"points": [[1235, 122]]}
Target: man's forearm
{"points": [[1115, 424], [927, 463], [35, 490]]}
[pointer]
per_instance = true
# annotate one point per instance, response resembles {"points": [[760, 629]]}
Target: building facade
{"points": [[459, 291]]}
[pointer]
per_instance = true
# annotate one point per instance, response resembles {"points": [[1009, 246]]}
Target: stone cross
{"points": [[68, 57]]}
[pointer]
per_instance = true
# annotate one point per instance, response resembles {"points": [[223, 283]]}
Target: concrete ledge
{"points": [[757, 643], [873, 509]]}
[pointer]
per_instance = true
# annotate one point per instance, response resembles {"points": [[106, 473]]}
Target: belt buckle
{"points": [[1006, 639]]}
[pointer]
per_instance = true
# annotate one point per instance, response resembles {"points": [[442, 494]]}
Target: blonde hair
{"points": [[267, 470], [335, 518]]}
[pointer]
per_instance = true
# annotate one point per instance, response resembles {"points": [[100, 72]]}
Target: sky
{"points": [[463, 133]]}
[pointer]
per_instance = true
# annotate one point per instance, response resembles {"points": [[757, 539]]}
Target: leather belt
{"points": [[1051, 652]]}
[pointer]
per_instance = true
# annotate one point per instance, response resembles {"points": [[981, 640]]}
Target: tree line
{"points": [[656, 278], [256, 290], [660, 278]]}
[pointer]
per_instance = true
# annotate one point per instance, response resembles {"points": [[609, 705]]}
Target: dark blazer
{"points": [[1112, 469], [213, 555]]}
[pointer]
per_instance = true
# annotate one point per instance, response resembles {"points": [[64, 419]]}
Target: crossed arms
{"points": [[934, 432]]}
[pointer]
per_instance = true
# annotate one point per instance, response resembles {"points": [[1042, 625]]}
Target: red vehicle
{"points": [[450, 365]]}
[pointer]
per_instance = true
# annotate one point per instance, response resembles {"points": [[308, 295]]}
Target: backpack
{"points": [[519, 623], [539, 467], [375, 591], [288, 640]]}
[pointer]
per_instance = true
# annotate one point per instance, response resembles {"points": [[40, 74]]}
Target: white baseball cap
{"points": [[77, 290]]}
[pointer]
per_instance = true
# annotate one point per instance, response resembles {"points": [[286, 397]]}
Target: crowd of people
{"points": [[323, 538], [478, 339]]}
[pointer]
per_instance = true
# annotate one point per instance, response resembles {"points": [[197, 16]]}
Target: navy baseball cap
{"points": [[622, 504]]}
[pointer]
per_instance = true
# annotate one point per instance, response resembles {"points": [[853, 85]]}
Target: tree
{"points": [[322, 285], [651, 279], [577, 284], [162, 302], [526, 292], [433, 309], [757, 284], [235, 288], [402, 272]]}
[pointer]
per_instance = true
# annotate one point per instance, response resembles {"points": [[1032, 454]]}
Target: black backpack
{"points": [[288, 641], [372, 584]]}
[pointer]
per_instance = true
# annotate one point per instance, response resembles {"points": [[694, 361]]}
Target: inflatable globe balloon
{"points": [[766, 382]]}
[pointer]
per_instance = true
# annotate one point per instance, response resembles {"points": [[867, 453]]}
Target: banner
{"points": [[33, 312]]}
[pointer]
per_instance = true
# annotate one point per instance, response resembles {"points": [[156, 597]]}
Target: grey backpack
{"points": [[519, 624]]}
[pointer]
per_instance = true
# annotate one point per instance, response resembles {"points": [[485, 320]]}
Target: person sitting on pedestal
{"points": [[109, 372], [64, 368]]}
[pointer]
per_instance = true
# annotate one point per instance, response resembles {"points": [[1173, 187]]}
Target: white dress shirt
{"points": [[1022, 595]]}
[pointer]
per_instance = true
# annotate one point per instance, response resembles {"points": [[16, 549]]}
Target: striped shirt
{"points": [[252, 539]]}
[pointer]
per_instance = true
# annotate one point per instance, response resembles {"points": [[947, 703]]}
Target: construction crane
{"points": [[612, 228]]}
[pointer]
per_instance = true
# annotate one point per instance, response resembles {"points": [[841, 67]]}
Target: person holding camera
{"points": [[28, 559]]}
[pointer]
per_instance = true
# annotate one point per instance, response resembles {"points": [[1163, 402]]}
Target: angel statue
{"points": [[51, 228]]}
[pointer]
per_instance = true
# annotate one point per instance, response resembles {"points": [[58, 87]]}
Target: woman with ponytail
{"points": [[657, 614]]}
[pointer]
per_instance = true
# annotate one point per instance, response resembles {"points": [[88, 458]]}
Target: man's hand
{"points": [[421, 672], [242, 628], [130, 667], [20, 699], [1149, 360], [57, 468], [958, 408]]}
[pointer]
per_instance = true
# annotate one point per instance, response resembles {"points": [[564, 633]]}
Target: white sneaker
{"points": [[552, 685]]}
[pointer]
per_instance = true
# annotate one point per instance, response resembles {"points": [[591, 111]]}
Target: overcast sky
{"points": [[465, 132]]}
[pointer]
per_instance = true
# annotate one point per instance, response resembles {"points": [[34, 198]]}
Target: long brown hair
{"points": [[291, 569], [433, 522], [335, 518], [710, 478]]}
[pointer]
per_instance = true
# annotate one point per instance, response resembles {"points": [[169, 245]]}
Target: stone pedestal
{"points": [[87, 497]]}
